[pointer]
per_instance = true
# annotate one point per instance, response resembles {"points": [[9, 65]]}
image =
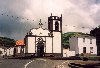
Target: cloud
{"points": [[76, 14]]}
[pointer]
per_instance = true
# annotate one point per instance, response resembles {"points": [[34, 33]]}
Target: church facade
{"points": [[42, 42]]}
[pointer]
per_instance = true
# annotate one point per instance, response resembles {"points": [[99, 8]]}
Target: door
{"points": [[84, 49], [40, 47]]}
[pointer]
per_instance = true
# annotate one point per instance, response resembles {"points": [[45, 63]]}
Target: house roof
{"points": [[20, 43], [85, 36]]}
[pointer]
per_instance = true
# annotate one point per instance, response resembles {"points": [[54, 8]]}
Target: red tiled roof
{"points": [[20, 43]]}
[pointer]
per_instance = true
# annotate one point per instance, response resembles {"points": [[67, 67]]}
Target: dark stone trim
{"points": [[45, 44], [25, 41], [20, 45], [46, 54], [61, 36], [52, 44], [35, 44], [61, 45], [37, 36], [55, 31], [53, 55], [29, 54]]}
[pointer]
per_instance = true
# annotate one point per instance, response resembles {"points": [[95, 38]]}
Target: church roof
{"points": [[85, 36]]}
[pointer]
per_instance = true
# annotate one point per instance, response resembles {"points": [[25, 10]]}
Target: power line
{"points": [[15, 17]]}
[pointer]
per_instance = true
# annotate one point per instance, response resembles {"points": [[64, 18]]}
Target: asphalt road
{"points": [[33, 63]]}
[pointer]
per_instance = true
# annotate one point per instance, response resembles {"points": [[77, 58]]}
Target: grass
{"points": [[95, 58]]}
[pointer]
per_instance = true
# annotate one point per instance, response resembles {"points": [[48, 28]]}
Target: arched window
{"points": [[56, 26]]}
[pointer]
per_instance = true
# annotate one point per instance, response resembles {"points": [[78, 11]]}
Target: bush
{"points": [[85, 59]]}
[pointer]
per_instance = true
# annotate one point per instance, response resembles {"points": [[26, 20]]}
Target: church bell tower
{"points": [[55, 23], [55, 27]]}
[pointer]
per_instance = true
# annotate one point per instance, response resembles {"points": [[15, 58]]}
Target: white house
{"points": [[1, 51], [83, 44], [7, 51], [45, 42], [19, 49]]}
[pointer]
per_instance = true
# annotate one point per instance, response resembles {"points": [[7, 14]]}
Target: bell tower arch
{"points": [[55, 23]]}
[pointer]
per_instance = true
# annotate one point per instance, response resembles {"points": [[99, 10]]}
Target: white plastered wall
{"points": [[18, 49], [48, 45], [67, 53], [87, 44], [2, 50], [73, 41], [56, 42], [31, 45], [40, 32], [77, 44]]}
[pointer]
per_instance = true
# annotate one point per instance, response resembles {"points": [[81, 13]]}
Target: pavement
{"points": [[33, 63], [36, 63], [46, 63]]}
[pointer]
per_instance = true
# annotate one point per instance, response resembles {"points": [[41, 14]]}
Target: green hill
{"points": [[66, 36], [6, 42]]}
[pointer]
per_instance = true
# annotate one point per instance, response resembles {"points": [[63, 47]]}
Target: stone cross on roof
{"points": [[40, 24]]}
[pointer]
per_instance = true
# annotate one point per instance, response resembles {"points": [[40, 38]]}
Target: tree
{"points": [[96, 33], [66, 36], [6, 42]]}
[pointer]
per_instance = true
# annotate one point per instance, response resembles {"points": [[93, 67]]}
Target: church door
{"points": [[40, 47]]}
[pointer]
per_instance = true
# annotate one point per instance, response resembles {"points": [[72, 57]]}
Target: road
{"points": [[33, 63]]}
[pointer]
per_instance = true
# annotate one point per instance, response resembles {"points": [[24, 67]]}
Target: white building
{"points": [[7, 51], [1, 51], [68, 53], [83, 44], [45, 42]]}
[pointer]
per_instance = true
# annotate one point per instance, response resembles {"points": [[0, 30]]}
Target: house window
{"points": [[91, 49], [84, 49], [83, 39], [90, 41]]}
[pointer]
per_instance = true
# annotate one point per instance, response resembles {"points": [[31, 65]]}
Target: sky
{"points": [[17, 17]]}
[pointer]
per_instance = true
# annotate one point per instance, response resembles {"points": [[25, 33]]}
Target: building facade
{"points": [[83, 45], [19, 48], [45, 42], [68, 53]]}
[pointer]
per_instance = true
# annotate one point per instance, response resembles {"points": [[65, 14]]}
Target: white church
{"points": [[45, 42]]}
